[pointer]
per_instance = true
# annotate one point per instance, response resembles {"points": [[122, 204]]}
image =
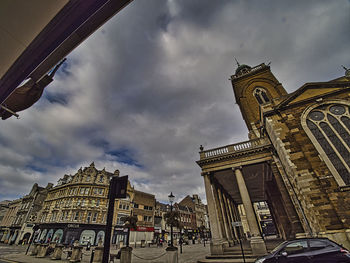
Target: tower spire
{"points": [[237, 62]]}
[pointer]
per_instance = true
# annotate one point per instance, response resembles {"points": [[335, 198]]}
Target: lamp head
{"points": [[171, 197]]}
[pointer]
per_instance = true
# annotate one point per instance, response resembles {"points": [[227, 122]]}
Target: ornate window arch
{"points": [[328, 126], [261, 95]]}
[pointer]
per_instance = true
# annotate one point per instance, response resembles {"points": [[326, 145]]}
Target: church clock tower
{"points": [[255, 87]]}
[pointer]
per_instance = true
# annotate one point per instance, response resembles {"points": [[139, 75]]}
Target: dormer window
{"points": [[101, 179], [261, 96]]}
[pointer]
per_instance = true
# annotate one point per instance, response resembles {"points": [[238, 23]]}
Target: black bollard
{"points": [[92, 255]]}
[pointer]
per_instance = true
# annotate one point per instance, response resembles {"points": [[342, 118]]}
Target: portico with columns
{"points": [[241, 174]]}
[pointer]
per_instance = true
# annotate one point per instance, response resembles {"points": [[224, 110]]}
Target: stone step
{"points": [[247, 260], [248, 250], [230, 256], [238, 253]]}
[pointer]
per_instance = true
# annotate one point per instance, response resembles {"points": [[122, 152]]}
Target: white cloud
{"points": [[152, 85]]}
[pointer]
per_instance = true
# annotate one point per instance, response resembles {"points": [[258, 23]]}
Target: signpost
{"points": [[117, 189], [238, 224]]}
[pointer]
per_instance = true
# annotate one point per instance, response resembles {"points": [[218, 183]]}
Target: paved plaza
{"points": [[191, 253]]}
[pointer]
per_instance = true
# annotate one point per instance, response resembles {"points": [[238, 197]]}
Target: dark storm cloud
{"points": [[144, 91]]}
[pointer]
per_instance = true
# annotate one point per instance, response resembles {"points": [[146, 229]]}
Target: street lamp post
{"points": [[181, 240], [171, 200]]}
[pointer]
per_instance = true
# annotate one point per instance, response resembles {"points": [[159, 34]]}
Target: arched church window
{"points": [[328, 127], [261, 96]]}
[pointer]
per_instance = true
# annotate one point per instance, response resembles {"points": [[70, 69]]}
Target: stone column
{"points": [[233, 219], [256, 242], [229, 220], [216, 244], [225, 217], [220, 217]]}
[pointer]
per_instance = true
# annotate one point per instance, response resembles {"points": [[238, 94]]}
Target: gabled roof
{"points": [[313, 90]]}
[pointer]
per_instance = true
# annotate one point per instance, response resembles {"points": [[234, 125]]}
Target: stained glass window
{"points": [[330, 126]]}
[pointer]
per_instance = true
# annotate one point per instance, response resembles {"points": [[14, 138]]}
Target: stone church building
{"points": [[297, 160]]}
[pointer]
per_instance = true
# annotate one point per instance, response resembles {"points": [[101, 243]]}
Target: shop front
{"points": [[119, 235], [141, 236], [66, 234]]}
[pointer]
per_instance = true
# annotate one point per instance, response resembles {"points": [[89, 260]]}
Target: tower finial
{"points": [[347, 71], [237, 62]]}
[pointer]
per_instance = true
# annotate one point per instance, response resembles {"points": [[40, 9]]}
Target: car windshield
{"points": [[278, 247]]}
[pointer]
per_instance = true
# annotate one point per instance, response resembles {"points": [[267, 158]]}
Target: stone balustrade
{"points": [[233, 148]]}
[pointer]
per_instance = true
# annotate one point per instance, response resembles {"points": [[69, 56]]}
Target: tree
{"points": [[172, 218], [130, 221]]}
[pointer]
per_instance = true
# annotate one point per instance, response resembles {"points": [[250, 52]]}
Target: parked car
{"points": [[308, 250]]}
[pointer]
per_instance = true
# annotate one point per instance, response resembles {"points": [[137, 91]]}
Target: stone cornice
{"points": [[234, 155]]}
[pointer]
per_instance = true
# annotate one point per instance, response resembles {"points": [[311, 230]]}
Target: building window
{"points": [[261, 95], [87, 190], [88, 178], [88, 218], [94, 217], [119, 219], [98, 202], [101, 179], [147, 218], [76, 216], [328, 126], [136, 205]]}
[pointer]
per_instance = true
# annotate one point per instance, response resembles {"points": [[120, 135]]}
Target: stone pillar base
{"points": [[35, 249], [125, 254], [171, 255], [42, 250], [216, 248], [258, 246], [76, 254], [57, 253], [225, 244], [98, 255]]}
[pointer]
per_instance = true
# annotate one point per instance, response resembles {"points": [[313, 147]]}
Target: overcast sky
{"points": [[150, 86]]}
